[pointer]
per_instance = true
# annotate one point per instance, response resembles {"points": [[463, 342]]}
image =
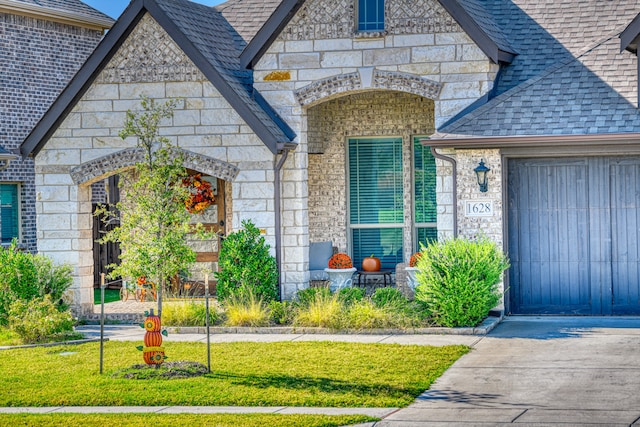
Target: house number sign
{"points": [[478, 208]]}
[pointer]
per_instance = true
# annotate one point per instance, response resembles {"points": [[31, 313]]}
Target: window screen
{"points": [[376, 199], [370, 15]]}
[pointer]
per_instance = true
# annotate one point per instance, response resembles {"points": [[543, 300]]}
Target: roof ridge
{"points": [[527, 83]]}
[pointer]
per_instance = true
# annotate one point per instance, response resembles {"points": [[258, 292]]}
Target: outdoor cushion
{"points": [[319, 254]]}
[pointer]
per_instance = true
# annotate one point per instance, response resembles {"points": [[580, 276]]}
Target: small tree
{"points": [[154, 224], [246, 267]]}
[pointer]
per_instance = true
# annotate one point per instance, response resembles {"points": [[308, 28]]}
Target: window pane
{"points": [[370, 15], [375, 181], [425, 236], [425, 183], [384, 243], [9, 211]]}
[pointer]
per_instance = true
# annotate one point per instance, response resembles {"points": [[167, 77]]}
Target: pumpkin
{"points": [[153, 355], [371, 263], [153, 339], [152, 323]]}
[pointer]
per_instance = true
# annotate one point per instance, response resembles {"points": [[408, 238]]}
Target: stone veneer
{"points": [[319, 59], [37, 60], [87, 143]]}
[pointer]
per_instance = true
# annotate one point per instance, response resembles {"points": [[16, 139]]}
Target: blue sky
{"points": [[114, 8]]}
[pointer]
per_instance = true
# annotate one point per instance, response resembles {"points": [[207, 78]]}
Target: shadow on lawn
{"points": [[322, 385]]}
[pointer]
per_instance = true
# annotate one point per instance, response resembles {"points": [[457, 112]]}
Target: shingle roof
{"points": [[210, 42], [485, 20], [569, 76], [247, 16], [71, 6]]}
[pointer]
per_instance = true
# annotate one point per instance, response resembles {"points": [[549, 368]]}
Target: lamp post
{"points": [[481, 174]]}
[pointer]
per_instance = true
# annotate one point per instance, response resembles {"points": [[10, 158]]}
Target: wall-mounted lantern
{"points": [[481, 173], [5, 158]]}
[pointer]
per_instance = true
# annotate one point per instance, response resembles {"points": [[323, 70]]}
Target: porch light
{"points": [[481, 173]]}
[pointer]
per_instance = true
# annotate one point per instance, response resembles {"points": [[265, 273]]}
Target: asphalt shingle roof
{"points": [[72, 6], [247, 16], [569, 76]]}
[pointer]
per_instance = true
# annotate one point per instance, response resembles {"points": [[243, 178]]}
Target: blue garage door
{"points": [[574, 228]]}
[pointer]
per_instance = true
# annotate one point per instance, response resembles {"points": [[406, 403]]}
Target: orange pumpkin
{"points": [[153, 339], [153, 355], [152, 323], [371, 263]]}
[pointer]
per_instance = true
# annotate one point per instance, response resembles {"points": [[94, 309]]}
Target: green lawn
{"points": [[187, 420], [331, 374], [110, 295]]}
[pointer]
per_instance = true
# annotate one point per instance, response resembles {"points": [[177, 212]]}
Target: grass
{"points": [[330, 374], [177, 420], [110, 295], [8, 337]]}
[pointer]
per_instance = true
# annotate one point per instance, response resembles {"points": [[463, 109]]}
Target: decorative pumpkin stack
{"points": [[152, 352]]}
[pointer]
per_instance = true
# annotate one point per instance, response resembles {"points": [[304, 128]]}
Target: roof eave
{"points": [[268, 32], [533, 141], [630, 36], [57, 15]]}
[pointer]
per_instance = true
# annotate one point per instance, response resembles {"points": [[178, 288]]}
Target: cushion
{"points": [[319, 254]]}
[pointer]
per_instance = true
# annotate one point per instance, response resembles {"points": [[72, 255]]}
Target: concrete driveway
{"points": [[569, 371]]}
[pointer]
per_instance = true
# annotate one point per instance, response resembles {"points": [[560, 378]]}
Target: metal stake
{"points": [[101, 320], [206, 303]]}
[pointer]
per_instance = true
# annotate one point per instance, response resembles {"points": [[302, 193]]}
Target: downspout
{"points": [[455, 186], [277, 197]]}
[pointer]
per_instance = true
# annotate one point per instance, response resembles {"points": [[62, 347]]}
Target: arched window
{"points": [[370, 15]]}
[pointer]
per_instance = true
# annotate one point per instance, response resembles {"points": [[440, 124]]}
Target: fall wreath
{"points": [[201, 194]]}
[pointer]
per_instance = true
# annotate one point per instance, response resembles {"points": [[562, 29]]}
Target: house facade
{"points": [[362, 123], [42, 45]]}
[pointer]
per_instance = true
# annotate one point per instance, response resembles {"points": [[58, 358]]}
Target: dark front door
{"points": [[573, 235]]}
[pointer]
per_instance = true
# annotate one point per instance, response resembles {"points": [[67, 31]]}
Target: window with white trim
{"points": [[376, 202], [424, 193]]}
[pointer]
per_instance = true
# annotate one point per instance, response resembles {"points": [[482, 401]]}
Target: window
{"points": [[9, 212], [424, 194], [370, 15], [376, 212]]}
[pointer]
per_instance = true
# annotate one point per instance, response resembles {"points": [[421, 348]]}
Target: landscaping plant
{"points": [[24, 276], [246, 266], [188, 313], [154, 223], [39, 320], [246, 309], [458, 280]]}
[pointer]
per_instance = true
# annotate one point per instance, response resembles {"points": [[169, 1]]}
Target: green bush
{"points": [[458, 280], [350, 296], [389, 297], [24, 276], [325, 310], [246, 265], [281, 312], [305, 297], [188, 313], [39, 320]]}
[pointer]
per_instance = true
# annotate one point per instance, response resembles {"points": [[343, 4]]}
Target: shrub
{"points": [[366, 315], [246, 265], [458, 280], [246, 310], [188, 313], [349, 296], [389, 297], [24, 276], [39, 320], [324, 310], [305, 297], [281, 313]]}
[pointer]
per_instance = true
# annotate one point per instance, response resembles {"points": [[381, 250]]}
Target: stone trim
{"points": [[367, 78], [98, 169]]}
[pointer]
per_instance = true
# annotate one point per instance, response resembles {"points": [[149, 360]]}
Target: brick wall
{"points": [[37, 59]]}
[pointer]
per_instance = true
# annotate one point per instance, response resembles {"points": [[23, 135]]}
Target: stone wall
{"points": [[37, 59], [369, 114], [203, 123]]}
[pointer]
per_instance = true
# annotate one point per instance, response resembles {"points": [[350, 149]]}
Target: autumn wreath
{"points": [[201, 194], [340, 261]]}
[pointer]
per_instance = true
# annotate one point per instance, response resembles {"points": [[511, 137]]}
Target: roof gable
{"points": [[206, 38], [71, 12], [469, 14]]}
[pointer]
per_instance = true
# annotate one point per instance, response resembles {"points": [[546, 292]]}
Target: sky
{"points": [[114, 8]]}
